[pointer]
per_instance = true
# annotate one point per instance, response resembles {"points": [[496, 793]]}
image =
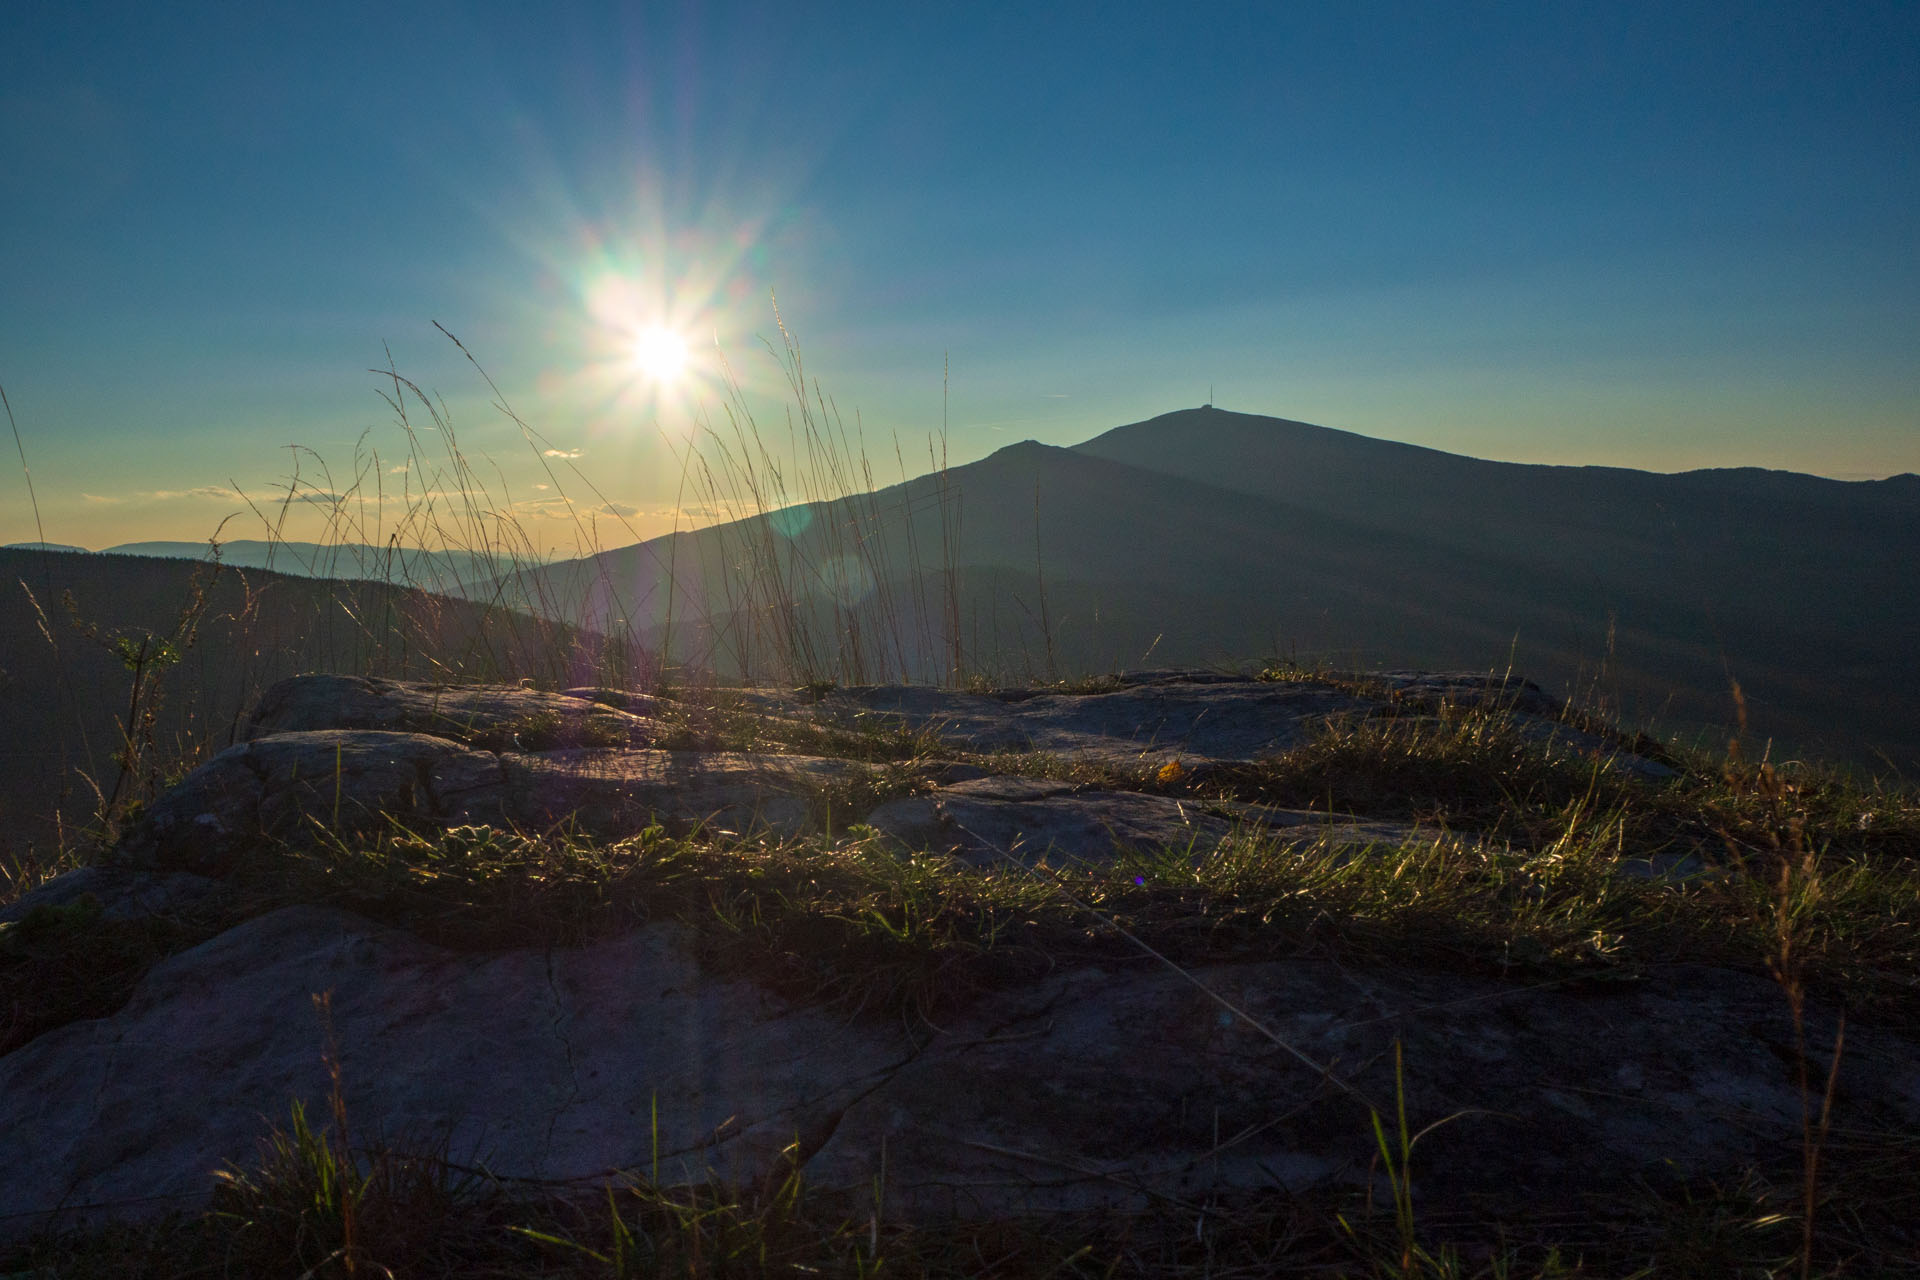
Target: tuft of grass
{"points": [[1467, 768], [25, 867]]}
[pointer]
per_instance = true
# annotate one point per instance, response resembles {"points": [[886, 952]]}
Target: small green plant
{"points": [[146, 656], [1394, 1154], [316, 1205]]}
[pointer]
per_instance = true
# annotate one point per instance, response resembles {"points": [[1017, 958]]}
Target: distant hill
{"points": [[1211, 536], [61, 693], [407, 566]]}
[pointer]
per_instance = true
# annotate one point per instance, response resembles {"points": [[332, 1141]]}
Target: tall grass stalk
{"points": [[798, 581]]}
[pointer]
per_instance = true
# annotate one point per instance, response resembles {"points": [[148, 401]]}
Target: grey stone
{"points": [[534, 1064], [613, 793], [1427, 690], [1005, 820], [1120, 1087], [492, 716], [639, 704], [346, 784], [1145, 724], [1058, 826], [287, 787]]}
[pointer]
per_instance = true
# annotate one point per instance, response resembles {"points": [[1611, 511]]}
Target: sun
{"points": [[660, 354]]}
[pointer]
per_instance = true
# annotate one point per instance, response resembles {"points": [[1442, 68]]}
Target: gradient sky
{"points": [[1660, 235]]}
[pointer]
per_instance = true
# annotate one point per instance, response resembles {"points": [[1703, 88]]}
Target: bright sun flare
{"points": [[660, 354]]}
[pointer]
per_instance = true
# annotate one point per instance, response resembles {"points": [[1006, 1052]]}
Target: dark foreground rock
{"points": [[1097, 1086]]}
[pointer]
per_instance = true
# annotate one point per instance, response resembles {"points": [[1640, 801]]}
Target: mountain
{"points": [[1206, 536], [409, 566]]}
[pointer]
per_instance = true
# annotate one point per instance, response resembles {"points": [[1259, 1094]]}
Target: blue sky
{"points": [[1664, 236]]}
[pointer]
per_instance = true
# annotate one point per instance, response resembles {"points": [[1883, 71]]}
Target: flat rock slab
{"points": [[1154, 716], [607, 792], [1147, 724], [357, 782], [500, 718], [1095, 1087], [1000, 820], [532, 1063], [1121, 1087]]}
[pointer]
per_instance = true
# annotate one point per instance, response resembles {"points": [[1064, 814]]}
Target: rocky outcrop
{"points": [[517, 719], [1101, 1083], [1150, 717], [348, 757], [345, 784], [994, 820]]}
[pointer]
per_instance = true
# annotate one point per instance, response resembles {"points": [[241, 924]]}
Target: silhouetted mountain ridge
{"points": [[1211, 536]]}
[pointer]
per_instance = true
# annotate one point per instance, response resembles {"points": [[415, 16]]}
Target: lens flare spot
{"points": [[791, 522]]}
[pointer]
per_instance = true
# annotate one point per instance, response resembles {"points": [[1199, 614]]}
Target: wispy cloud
{"points": [[620, 509], [397, 471], [564, 453], [215, 492]]}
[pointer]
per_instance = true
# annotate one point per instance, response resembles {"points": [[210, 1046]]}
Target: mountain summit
{"points": [[1209, 536]]}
